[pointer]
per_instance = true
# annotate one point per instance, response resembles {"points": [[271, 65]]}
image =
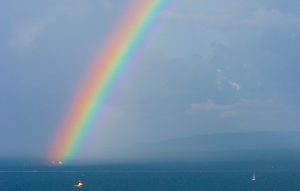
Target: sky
{"points": [[207, 67]]}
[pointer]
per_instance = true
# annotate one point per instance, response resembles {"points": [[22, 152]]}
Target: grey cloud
{"points": [[233, 14], [24, 35], [184, 82]]}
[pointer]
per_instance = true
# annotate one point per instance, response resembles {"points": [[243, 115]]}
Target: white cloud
{"points": [[223, 110], [219, 80], [204, 106], [234, 85], [227, 114]]}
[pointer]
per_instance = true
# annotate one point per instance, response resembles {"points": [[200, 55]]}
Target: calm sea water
{"points": [[149, 179]]}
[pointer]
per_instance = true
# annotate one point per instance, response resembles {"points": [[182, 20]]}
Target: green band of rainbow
{"points": [[103, 76]]}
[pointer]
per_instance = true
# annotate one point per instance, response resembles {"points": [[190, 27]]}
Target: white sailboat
{"points": [[253, 177]]}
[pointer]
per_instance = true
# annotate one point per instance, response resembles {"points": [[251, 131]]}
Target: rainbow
{"points": [[103, 76]]}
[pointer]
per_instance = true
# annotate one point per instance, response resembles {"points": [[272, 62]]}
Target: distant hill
{"points": [[227, 146]]}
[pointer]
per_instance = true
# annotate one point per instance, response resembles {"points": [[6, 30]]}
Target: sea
{"points": [[232, 176]]}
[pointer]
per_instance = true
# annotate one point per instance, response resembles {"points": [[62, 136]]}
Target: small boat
{"points": [[80, 184], [253, 177], [57, 163]]}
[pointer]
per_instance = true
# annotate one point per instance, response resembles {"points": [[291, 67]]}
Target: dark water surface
{"points": [[213, 178]]}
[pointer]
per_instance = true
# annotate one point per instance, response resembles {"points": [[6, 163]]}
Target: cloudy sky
{"points": [[209, 66]]}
